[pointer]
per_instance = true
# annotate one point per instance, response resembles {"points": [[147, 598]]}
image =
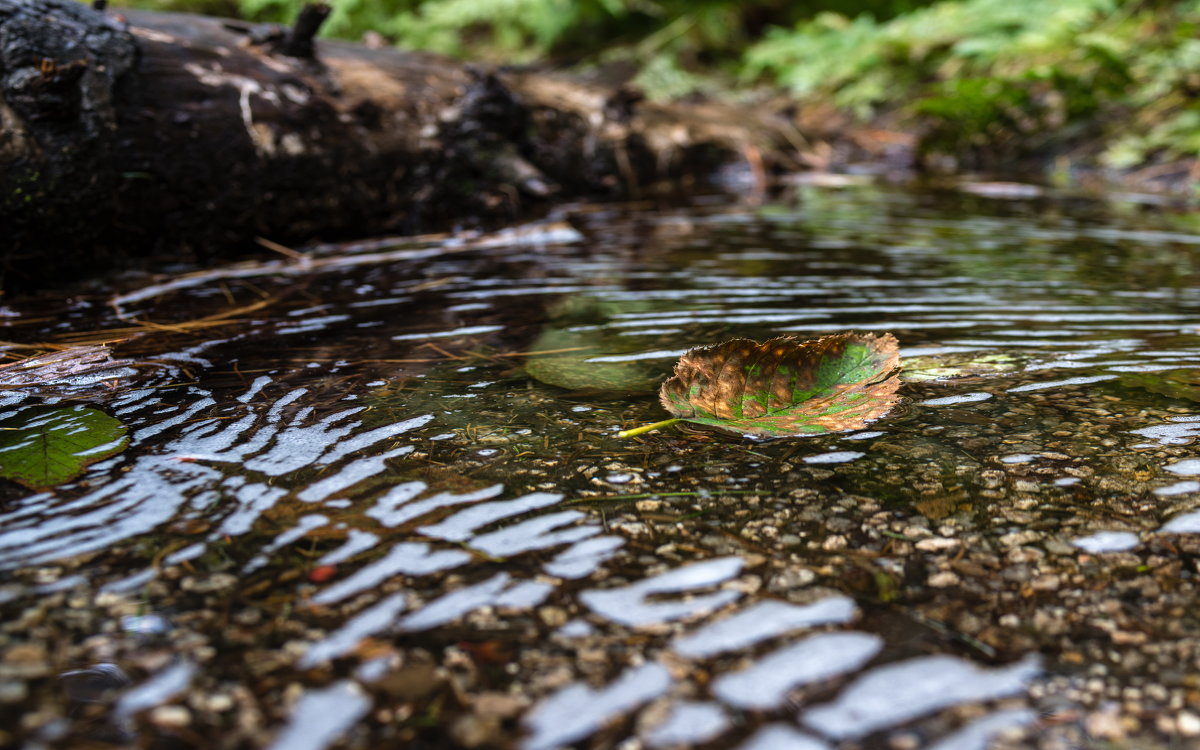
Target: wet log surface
{"points": [[128, 135]]}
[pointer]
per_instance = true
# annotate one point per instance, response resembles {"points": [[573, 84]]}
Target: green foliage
{"points": [[987, 79], [1009, 77], [669, 41], [43, 446]]}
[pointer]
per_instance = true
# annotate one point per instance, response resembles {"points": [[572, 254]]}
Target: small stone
{"points": [[13, 692], [1105, 724], [170, 716], [215, 582], [553, 616], [943, 579], [835, 543], [936, 544], [473, 731], [1019, 538], [216, 703], [1048, 582], [1187, 724], [499, 705], [791, 578], [904, 741], [1128, 638]]}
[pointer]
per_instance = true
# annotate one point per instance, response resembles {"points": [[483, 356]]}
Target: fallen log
{"points": [[129, 134]]}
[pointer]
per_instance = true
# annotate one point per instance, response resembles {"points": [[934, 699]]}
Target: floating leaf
{"points": [[784, 387], [41, 446]]}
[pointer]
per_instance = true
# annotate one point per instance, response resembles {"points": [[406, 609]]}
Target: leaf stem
{"points": [[647, 428]]}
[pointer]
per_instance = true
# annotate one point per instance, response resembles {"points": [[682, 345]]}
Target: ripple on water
{"points": [[1179, 431], [688, 723], [766, 683], [409, 558], [1188, 467], [1178, 488], [632, 605], [1107, 541], [783, 737], [930, 682], [375, 619], [463, 524], [497, 591], [834, 457], [1187, 523], [1081, 380], [583, 558], [760, 622], [321, 716], [977, 734], [964, 398], [239, 464], [576, 711], [161, 687]]}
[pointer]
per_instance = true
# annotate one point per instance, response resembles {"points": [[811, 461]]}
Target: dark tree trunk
{"points": [[128, 134]]}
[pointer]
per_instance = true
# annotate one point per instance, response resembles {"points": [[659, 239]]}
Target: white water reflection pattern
{"points": [[176, 480]]}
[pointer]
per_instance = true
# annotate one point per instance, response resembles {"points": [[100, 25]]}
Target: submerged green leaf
{"points": [[785, 387], [42, 446], [573, 364], [1182, 383], [581, 353]]}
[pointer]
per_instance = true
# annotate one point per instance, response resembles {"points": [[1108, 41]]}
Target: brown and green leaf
{"points": [[785, 387]]}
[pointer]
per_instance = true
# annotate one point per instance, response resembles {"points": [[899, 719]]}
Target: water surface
{"points": [[380, 501]]}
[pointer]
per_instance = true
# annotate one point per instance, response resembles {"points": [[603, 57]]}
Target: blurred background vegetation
{"points": [[986, 80]]}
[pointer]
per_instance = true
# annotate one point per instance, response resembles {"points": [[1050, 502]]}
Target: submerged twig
{"points": [[545, 233], [647, 428]]}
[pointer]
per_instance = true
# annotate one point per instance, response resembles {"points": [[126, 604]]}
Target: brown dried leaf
{"points": [[786, 387]]}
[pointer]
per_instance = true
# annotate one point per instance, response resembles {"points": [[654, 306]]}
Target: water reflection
{"points": [[387, 505]]}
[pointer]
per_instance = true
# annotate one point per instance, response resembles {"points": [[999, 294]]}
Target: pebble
{"points": [[13, 692], [1046, 582], [170, 716], [1105, 724], [936, 544], [943, 579], [1187, 724], [1018, 538]]}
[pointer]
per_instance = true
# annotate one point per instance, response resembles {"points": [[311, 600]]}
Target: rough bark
{"points": [[126, 134]]}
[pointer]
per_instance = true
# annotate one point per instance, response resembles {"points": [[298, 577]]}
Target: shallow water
{"points": [[381, 502]]}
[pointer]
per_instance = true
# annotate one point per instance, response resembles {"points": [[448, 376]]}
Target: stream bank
{"points": [[138, 134]]}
